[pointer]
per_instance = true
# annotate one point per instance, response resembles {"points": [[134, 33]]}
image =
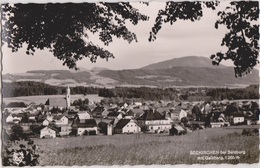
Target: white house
{"points": [[153, 121], [48, 132], [9, 118], [89, 127], [238, 119], [127, 126], [45, 122], [61, 120], [182, 114]]}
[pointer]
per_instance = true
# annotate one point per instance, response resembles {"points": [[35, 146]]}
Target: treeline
{"points": [[144, 93], [250, 92], [30, 88]]}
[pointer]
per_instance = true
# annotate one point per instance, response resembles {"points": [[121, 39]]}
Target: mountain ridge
{"points": [[187, 61], [184, 71]]}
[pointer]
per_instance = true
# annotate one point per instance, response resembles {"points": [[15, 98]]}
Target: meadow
{"points": [[148, 149]]}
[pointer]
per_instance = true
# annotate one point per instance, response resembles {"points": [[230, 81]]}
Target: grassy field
{"points": [[149, 148], [43, 98]]}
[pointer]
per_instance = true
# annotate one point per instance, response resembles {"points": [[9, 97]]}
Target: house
{"points": [[61, 120], [16, 106], [46, 122], [65, 129], [15, 118], [182, 114], [235, 118], [89, 127], [9, 118], [48, 132], [153, 121], [127, 126]]}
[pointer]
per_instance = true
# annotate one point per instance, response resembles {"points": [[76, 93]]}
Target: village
{"points": [[59, 118]]}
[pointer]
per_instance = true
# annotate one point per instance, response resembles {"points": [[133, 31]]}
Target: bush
{"points": [[24, 155]]}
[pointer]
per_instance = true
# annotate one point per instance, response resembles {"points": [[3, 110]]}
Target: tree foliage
{"points": [[241, 20], [62, 28]]}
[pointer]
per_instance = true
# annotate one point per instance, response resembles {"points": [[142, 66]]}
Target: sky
{"points": [[183, 38]]}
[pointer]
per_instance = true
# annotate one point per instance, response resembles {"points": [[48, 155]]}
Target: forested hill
{"points": [[181, 76], [16, 89], [30, 88]]}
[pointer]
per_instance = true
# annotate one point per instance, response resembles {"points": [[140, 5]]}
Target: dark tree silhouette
{"points": [[62, 28], [241, 20]]}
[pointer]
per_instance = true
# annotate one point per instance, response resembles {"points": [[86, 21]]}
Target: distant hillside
{"points": [[98, 69], [181, 76], [52, 77], [189, 61], [186, 71]]}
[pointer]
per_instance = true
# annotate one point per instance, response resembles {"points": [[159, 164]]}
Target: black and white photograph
{"points": [[129, 83]]}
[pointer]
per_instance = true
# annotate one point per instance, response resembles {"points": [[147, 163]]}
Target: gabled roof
{"points": [[56, 102], [58, 117], [151, 115], [121, 123]]}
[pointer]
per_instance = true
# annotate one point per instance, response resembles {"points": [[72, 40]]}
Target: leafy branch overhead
{"points": [[241, 20], [61, 28]]}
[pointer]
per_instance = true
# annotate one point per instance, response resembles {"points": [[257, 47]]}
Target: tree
{"points": [[16, 132], [63, 28], [241, 20]]}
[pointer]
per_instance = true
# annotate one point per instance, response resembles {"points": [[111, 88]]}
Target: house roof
{"points": [[121, 123], [58, 117], [89, 123], [56, 102], [16, 104], [151, 115]]}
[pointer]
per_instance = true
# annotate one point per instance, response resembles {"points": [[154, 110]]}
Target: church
{"points": [[59, 102]]}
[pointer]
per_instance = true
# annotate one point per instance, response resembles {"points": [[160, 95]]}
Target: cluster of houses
{"points": [[58, 118]]}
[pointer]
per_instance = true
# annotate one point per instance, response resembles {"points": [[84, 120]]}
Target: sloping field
{"points": [[43, 98], [150, 148]]}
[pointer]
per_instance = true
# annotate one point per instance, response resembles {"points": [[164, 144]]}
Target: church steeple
{"points": [[68, 97]]}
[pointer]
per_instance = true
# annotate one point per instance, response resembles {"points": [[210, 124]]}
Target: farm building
{"points": [[127, 126], [89, 127], [48, 132], [153, 121]]}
